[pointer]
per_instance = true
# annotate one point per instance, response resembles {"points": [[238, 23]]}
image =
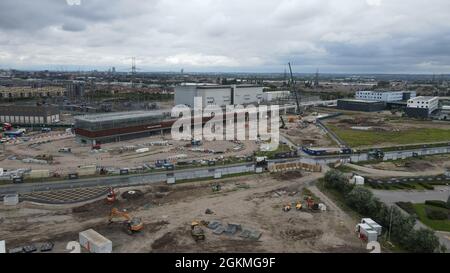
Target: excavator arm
{"points": [[117, 213]]}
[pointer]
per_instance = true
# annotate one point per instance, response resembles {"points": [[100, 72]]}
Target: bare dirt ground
{"points": [[82, 155], [306, 133], [392, 173], [167, 211]]}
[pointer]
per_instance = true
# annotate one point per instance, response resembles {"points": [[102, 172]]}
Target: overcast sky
{"points": [[356, 36]]}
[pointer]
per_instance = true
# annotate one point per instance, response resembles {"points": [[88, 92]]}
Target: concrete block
{"points": [[11, 200]]}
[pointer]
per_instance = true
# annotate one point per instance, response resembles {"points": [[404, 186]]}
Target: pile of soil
{"points": [[296, 235]]}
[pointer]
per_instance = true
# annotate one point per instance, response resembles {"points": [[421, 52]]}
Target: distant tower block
{"points": [[133, 66], [316, 79]]}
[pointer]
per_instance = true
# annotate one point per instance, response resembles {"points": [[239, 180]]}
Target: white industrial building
{"points": [[220, 95], [429, 103], [276, 95], [385, 96]]}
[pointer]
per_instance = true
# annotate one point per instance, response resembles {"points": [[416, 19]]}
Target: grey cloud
{"points": [[344, 35]]}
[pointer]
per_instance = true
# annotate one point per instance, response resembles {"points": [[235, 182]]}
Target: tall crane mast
{"points": [[297, 100]]}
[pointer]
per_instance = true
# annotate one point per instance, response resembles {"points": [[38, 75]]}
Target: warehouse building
{"points": [[422, 107], [29, 115], [361, 105], [276, 95], [220, 95], [120, 126], [385, 96]]}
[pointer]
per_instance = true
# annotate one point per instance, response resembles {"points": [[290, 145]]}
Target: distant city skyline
{"points": [[344, 36]]}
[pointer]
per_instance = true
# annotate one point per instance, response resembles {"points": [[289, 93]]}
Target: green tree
{"points": [[362, 200], [423, 241], [336, 180], [448, 202], [396, 224]]}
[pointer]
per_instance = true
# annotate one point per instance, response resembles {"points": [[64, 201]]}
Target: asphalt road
{"points": [[110, 181], [391, 197]]}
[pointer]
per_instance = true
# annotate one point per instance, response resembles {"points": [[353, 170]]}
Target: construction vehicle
{"points": [[298, 206], [197, 231], [97, 147], [131, 224], [216, 188], [111, 197], [376, 154], [292, 119], [65, 150], [310, 202], [287, 208], [7, 127]]}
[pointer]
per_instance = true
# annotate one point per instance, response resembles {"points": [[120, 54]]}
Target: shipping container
{"points": [[95, 242], [374, 225], [11, 200], [2, 247], [35, 174]]}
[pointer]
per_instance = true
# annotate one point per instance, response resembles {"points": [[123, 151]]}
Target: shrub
{"points": [[362, 200], [423, 241], [435, 214], [437, 203], [427, 186], [336, 180], [407, 206], [406, 185]]}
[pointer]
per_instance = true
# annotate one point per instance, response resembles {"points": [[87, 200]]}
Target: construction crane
{"points": [[292, 83], [131, 224]]}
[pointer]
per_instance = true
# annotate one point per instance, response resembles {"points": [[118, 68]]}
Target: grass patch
{"points": [[442, 225], [282, 148], [408, 207], [356, 138], [345, 169]]}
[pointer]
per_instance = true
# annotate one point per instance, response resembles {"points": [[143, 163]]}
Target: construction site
{"points": [[262, 213], [117, 182]]}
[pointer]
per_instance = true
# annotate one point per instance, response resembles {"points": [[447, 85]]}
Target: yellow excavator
{"points": [[197, 231], [131, 224]]}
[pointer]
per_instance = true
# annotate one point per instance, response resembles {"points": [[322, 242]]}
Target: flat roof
{"points": [[95, 237], [120, 116], [363, 101], [385, 91], [218, 86], [424, 98], [229, 86]]}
